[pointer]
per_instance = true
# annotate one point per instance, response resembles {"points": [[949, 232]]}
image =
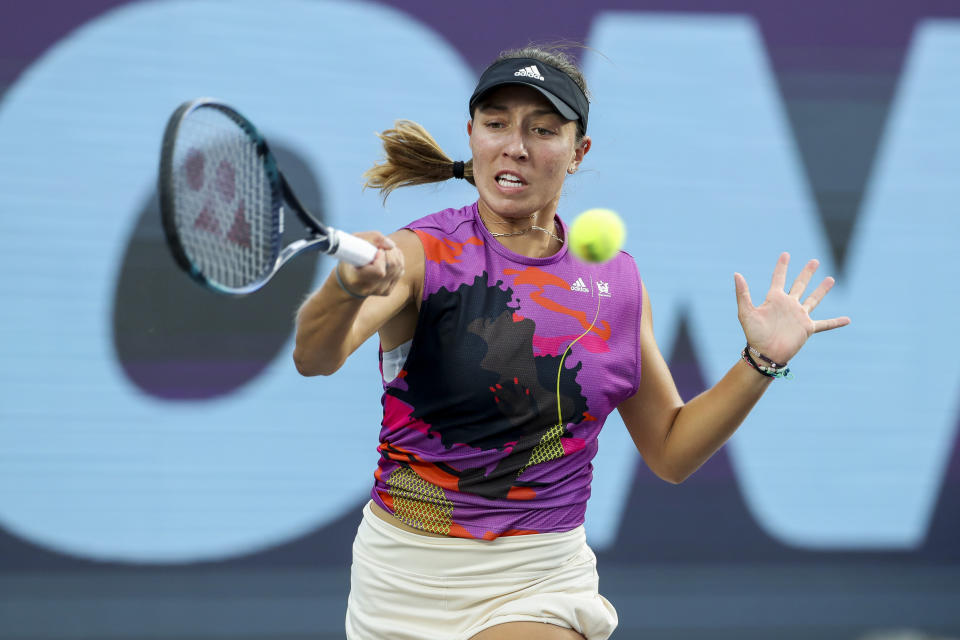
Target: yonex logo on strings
{"points": [[530, 72], [579, 285], [218, 191]]}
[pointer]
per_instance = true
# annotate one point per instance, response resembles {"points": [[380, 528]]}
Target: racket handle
{"points": [[350, 248]]}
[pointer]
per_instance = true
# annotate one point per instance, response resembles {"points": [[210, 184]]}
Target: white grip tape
{"points": [[352, 249]]}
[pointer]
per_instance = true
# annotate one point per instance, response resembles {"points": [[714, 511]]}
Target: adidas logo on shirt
{"points": [[579, 286], [530, 72]]}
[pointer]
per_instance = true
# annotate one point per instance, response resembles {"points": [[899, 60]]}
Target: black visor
{"points": [[555, 85]]}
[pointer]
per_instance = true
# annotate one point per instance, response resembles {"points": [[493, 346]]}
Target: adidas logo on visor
{"points": [[530, 72]]}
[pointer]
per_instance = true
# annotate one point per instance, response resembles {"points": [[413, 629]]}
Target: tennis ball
{"points": [[597, 235]]}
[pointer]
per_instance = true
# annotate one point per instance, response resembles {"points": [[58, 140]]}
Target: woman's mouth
{"points": [[509, 180]]}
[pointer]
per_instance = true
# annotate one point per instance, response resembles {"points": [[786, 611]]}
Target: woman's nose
{"points": [[515, 146]]}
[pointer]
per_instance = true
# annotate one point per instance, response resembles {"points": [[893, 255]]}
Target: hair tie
{"points": [[458, 170]]}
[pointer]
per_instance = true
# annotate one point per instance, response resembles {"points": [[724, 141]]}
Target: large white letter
{"points": [[691, 144]]}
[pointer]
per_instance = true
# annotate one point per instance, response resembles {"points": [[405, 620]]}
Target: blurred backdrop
{"points": [[165, 472]]}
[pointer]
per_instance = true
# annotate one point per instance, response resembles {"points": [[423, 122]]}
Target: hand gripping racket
{"points": [[222, 202]]}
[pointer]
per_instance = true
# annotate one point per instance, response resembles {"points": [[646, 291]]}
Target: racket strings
{"points": [[225, 216]]}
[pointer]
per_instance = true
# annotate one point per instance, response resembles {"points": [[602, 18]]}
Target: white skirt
{"points": [[406, 586]]}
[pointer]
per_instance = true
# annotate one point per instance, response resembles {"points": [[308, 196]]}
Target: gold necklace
{"points": [[520, 233], [496, 234]]}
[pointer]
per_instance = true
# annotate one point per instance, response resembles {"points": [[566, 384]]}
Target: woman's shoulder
{"points": [[447, 222], [622, 265]]}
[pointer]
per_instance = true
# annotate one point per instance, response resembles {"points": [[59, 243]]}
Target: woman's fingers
{"points": [[800, 284], [395, 264], [377, 268], [383, 242], [779, 303], [387, 271], [379, 276], [779, 280], [814, 298], [832, 323], [743, 293]]}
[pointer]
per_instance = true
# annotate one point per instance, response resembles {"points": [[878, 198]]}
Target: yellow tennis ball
{"points": [[597, 235]]}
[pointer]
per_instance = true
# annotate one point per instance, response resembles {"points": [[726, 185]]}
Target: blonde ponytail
{"points": [[412, 157]]}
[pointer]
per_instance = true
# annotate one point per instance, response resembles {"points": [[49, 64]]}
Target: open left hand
{"points": [[780, 326]]}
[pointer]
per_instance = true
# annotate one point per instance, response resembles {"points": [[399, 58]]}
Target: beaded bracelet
{"points": [[771, 369], [344, 287], [770, 362]]}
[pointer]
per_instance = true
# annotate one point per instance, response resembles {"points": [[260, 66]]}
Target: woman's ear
{"points": [[578, 153], [469, 127]]}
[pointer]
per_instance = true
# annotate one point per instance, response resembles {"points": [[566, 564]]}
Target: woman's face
{"points": [[522, 151]]}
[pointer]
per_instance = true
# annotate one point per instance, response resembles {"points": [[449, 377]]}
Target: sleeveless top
{"points": [[485, 433]]}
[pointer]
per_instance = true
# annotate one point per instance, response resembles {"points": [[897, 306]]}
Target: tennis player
{"points": [[501, 357]]}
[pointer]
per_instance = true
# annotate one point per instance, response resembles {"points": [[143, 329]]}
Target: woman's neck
{"points": [[537, 235]]}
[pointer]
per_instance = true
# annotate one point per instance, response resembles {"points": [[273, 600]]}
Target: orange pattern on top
{"points": [[521, 493], [517, 532], [459, 531], [429, 472], [541, 279], [441, 250], [387, 500]]}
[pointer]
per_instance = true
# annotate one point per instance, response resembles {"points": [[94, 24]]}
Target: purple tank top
{"points": [[472, 442]]}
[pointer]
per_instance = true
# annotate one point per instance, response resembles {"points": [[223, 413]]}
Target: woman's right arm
{"points": [[332, 324]]}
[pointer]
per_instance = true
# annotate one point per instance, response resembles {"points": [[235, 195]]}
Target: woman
{"points": [[501, 357]]}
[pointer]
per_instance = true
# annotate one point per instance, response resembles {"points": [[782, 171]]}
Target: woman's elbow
{"points": [[307, 366], [669, 474], [674, 478]]}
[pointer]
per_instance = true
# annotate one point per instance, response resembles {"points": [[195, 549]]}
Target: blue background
{"points": [[164, 471]]}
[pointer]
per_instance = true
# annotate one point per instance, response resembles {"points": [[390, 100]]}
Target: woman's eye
{"points": [[494, 125], [541, 131]]}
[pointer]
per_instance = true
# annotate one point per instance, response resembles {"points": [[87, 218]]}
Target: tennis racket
{"points": [[223, 201]]}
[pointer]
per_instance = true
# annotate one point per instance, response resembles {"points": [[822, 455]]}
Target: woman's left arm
{"points": [[676, 438]]}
